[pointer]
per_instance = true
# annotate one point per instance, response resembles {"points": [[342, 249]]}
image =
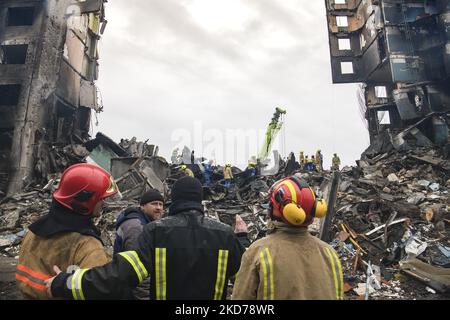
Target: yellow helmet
{"points": [[183, 167]]}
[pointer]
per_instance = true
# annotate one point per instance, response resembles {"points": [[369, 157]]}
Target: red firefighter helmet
{"points": [[83, 185], [295, 203]]}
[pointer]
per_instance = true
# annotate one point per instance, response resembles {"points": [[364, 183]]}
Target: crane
{"points": [[272, 130]]}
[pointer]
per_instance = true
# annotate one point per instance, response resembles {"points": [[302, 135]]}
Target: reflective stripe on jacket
{"points": [[187, 256], [38, 256], [289, 264]]}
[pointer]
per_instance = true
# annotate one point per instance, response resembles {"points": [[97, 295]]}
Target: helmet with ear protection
{"points": [[295, 203]]}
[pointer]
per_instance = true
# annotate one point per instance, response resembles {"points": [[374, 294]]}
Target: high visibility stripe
{"points": [[74, 283], [291, 190], [336, 285], [271, 281], [340, 275], [160, 273], [222, 262], [34, 274], [133, 259], [267, 268], [31, 283], [79, 283]]}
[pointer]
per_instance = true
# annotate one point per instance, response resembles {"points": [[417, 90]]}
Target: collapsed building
{"points": [[400, 51], [48, 67]]}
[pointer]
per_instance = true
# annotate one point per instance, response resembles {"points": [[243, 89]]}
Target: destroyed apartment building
{"points": [[48, 67], [388, 216], [400, 51]]}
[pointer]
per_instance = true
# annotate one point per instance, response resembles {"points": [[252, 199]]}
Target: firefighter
{"points": [[187, 256], [301, 159], [129, 225], [335, 162], [66, 236], [186, 171], [319, 160], [227, 175], [290, 263]]}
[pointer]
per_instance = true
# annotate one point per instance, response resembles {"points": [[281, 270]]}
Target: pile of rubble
{"points": [[392, 214], [388, 221]]}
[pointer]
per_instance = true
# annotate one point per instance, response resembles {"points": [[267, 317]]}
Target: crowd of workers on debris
{"points": [[177, 252], [313, 163]]}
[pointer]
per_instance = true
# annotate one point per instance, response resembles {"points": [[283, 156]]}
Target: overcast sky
{"points": [[200, 71]]}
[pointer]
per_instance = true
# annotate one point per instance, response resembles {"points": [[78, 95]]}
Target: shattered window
{"points": [[383, 117], [344, 44], [13, 54], [380, 92], [347, 67], [342, 21], [9, 94], [21, 16]]}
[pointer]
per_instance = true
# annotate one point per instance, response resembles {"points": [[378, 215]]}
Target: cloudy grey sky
{"points": [[199, 71]]}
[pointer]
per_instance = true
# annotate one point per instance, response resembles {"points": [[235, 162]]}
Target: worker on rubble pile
{"points": [[312, 164], [319, 160], [186, 171], [66, 236], [227, 175], [289, 263], [301, 159], [207, 174], [129, 225], [335, 162], [306, 164], [187, 255]]}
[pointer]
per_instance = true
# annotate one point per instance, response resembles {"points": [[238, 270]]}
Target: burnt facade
{"points": [[48, 66], [400, 50]]}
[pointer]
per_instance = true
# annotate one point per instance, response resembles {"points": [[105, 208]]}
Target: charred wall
{"points": [[48, 68]]}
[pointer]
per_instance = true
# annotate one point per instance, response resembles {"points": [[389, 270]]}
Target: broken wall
{"points": [[48, 65], [400, 50]]}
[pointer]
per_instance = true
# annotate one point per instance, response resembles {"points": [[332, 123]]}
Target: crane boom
{"points": [[272, 130]]}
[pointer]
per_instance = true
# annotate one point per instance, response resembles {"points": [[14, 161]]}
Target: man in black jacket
{"points": [[187, 255]]}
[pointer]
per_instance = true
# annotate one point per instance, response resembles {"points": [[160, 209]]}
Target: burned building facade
{"points": [[400, 51], [48, 66]]}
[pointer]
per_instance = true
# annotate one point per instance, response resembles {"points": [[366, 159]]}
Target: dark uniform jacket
{"points": [[187, 255]]}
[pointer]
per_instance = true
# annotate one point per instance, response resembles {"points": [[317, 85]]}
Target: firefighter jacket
{"points": [[289, 264], [61, 238], [336, 161], [187, 255], [227, 173]]}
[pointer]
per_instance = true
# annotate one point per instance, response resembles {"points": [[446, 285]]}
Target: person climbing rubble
{"points": [[289, 263], [335, 162], [227, 175], [193, 260], [66, 236], [301, 159], [319, 160], [129, 225]]}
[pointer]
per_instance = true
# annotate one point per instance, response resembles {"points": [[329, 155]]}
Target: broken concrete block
{"points": [[393, 178], [434, 187], [416, 198]]}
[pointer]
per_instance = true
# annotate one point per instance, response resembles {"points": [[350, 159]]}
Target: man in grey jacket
{"points": [[129, 225]]}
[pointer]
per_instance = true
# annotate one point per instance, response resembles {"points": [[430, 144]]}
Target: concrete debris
{"points": [[375, 220]]}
